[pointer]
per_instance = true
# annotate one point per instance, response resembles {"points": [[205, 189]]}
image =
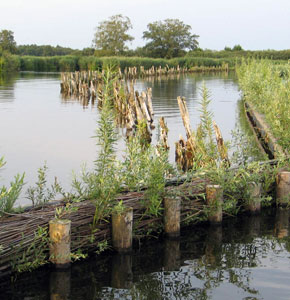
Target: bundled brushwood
{"points": [[19, 233]]}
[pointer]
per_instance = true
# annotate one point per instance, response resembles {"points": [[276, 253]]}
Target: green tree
{"points": [[7, 42], [169, 38], [111, 35]]}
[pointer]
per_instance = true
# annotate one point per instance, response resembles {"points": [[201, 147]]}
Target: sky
{"points": [[254, 24]]}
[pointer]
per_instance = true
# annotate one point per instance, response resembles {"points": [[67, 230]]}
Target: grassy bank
{"points": [[266, 86]]}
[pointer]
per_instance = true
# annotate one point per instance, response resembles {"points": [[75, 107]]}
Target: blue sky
{"points": [[254, 24]]}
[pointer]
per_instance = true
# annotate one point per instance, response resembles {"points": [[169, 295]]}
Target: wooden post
{"points": [[253, 205], [122, 227], [214, 199], [172, 216], [59, 233], [283, 188]]}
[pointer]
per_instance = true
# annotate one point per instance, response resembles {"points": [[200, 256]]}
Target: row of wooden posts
{"points": [[122, 223]]}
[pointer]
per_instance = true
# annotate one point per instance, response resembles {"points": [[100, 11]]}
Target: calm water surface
{"points": [[37, 125], [246, 258]]}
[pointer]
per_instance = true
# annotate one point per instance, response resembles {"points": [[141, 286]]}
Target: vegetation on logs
{"points": [[138, 181], [266, 86]]}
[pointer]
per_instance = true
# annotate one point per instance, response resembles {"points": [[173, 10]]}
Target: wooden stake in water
{"points": [[214, 199], [59, 233], [253, 205], [283, 188], [122, 227], [172, 216]]}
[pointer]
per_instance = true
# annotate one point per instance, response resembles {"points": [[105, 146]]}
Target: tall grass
{"points": [[266, 86]]}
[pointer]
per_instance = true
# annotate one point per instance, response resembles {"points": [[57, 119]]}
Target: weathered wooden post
{"points": [[59, 233], [214, 199], [122, 227], [283, 188], [172, 216], [253, 204]]}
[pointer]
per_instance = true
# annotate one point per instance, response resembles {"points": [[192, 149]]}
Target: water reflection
{"points": [[239, 260]]}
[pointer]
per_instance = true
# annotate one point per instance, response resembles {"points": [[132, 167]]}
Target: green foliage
{"points": [[35, 255], [7, 42], [47, 50], [266, 86], [8, 196], [40, 193], [111, 35], [169, 38], [62, 211]]}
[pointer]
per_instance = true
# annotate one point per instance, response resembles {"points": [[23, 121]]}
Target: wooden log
{"points": [[283, 188], [214, 199], [253, 205], [122, 226], [221, 146], [172, 216], [163, 134], [59, 234]]}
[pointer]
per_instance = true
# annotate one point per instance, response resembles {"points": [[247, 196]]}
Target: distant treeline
{"points": [[47, 50], [193, 59]]}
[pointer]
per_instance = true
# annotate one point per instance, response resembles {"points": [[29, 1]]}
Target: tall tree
{"points": [[7, 42], [111, 35], [169, 38]]}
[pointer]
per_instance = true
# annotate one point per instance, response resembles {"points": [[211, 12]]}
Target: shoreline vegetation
{"points": [[194, 60], [143, 171]]}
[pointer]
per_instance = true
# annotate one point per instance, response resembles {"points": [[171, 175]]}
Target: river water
{"points": [[245, 258], [38, 125]]}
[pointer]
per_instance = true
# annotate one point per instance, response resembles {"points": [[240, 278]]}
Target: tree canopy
{"points": [[169, 38], [7, 42], [111, 35]]}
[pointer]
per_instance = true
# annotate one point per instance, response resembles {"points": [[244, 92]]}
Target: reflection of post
{"points": [[122, 275], [60, 285], [282, 222], [253, 225], [171, 255], [212, 244]]}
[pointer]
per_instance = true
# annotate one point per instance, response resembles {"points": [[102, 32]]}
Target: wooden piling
{"points": [[60, 240], [122, 227], [253, 205], [214, 199], [283, 188], [172, 216]]}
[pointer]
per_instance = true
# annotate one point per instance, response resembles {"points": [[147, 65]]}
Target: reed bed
{"points": [[266, 86]]}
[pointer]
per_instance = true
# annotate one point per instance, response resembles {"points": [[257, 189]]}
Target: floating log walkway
{"points": [[262, 132]]}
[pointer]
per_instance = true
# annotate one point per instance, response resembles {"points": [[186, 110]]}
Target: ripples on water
{"points": [[37, 125]]}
